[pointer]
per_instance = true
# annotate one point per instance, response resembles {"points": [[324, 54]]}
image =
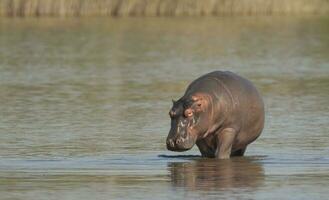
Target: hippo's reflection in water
{"points": [[213, 174]]}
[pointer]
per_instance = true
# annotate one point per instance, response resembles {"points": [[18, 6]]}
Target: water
{"points": [[84, 103]]}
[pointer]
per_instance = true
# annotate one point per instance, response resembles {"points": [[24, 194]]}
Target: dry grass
{"points": [[160, 7]]}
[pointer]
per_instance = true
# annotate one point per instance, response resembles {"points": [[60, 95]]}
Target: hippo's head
{"points": [[189, 121]]}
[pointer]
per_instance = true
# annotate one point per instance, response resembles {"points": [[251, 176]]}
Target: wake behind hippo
{"points": [[220, 112]]}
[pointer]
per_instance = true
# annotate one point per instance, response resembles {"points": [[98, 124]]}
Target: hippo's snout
{"points": [[179, 137], [179, 144], [179, 141], [170, 143]]}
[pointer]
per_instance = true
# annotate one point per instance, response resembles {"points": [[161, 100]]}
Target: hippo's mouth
{"points": [[181, 138], [180, 144]]}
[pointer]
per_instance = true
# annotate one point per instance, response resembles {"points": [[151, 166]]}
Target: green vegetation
{"points": [[64, 8]]}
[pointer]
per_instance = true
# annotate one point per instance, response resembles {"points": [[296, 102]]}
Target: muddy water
{"points": [[84, 103]]}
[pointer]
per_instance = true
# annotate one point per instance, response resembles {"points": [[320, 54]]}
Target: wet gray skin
{"points": [[181, 137]]}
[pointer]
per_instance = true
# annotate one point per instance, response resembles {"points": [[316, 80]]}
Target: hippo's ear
{"points": [[173, 101]]}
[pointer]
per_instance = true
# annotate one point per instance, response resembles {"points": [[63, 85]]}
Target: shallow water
{"points": [[84, 103]]}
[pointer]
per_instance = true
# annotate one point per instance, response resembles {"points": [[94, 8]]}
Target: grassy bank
{"points": [[13, 8]]}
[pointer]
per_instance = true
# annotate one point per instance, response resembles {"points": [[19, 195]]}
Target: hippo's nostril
{"points": [[170, 142], [179, 140]]}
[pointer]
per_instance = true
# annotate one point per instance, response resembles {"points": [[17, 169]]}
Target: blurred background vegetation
{"points": [[160, 7]]}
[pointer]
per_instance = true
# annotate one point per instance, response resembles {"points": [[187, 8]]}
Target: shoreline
{"points": [[160, 8]]}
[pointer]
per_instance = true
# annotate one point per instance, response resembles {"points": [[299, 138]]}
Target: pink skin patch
{"points": [[188, 112]]}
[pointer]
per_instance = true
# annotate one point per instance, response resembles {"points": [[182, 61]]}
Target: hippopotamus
{"points": [[221, 112]]}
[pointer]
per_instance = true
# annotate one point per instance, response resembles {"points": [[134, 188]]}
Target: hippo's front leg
{"points": [[225, 140], [206, 149]]}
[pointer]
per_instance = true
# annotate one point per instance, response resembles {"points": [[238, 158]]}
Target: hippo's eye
{"points": [[199, 104]]}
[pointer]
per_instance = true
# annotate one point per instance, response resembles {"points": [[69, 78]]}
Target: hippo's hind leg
{"points": [[225, 140], [239, 152]]}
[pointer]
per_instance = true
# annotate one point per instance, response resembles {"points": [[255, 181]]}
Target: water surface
{"points": [[84, 103]]}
